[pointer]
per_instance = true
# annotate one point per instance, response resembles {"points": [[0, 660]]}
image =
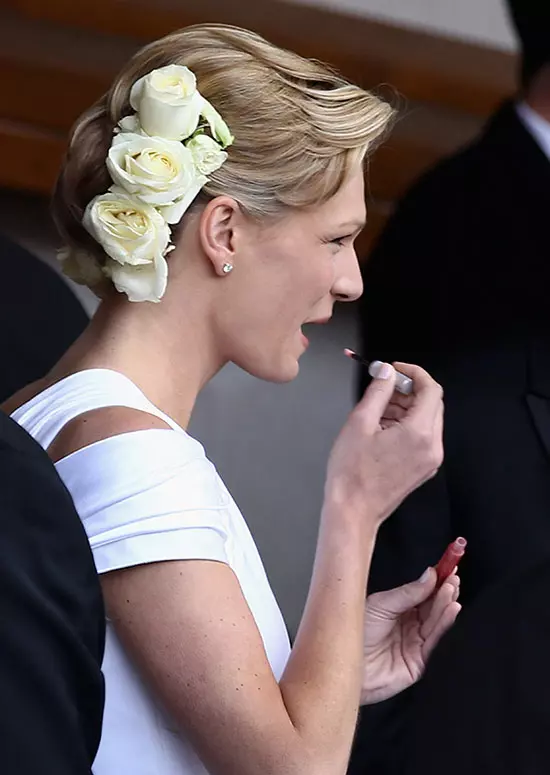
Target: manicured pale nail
{"points": [[380, 370], [425, 576]]}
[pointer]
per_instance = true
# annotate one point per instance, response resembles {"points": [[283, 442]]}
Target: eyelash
{"points": [[340, 241]]}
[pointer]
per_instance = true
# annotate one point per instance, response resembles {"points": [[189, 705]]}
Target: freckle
{"points": [[236, 688], [127, 601]]}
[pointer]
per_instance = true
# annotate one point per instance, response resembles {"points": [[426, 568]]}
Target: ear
{"points": [[217, 232]]}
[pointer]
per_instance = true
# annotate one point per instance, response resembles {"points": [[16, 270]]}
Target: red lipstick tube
{"points": [[452, 556]]}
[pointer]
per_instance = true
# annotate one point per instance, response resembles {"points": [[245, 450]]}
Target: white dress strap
{"points": [[45, 415]]}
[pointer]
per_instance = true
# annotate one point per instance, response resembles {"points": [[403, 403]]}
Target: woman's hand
{"points": [[389, 446], [402, 626]]}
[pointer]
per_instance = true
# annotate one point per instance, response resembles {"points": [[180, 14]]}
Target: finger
{"points": [[399, 399], [445, 622], [427, 392], [399, 600], [393, 412], [455, 581], [432, 611], [377, 397], [456, 594]]}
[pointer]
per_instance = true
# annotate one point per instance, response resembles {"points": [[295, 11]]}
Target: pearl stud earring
{"points": [[227, 268]]}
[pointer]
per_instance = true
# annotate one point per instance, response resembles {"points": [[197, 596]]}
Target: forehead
{"points": [[348, 204], [345, 210]]}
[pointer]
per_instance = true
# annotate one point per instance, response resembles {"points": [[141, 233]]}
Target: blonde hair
{"points": [[299, 127]]}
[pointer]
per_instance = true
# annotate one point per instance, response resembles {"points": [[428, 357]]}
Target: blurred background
{"points": [[446, 64]]}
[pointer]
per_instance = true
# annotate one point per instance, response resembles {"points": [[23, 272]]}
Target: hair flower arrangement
{"points": [[160, 158]]}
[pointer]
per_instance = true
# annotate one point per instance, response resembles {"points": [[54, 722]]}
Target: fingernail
{"points": [[380, 370], [425, 576]]}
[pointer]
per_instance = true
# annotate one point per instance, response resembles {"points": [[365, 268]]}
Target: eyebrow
{"points": [[353, 225]]}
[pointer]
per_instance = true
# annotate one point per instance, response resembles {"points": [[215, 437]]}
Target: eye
{"points": [[340, 242]]}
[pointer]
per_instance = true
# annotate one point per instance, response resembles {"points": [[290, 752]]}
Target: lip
{"points": [[319, 321]]}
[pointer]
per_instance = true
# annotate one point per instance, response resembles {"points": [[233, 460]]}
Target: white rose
{"points": [[129, 231], [167, 102], [218, 127], [80, 266], [207, 154], [130, 124], [156, 171], [174, 213], [140, 283]]}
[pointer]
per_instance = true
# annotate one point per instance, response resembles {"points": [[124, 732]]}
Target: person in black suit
{"points": [[52, 624], [461, 277], [40, 317], [482, 705]]}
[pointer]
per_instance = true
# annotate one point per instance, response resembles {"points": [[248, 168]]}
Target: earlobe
{"points": [[217, 233]]}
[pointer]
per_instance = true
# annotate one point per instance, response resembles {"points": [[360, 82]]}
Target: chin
{"points": [[279, 373]]}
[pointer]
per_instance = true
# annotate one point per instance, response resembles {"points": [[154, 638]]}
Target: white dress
{"points": [[143, 497]]}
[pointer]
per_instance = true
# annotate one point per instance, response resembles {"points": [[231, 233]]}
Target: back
{"points": [[52, 640]]}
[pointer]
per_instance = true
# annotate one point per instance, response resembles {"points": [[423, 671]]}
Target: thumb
{"points": [[402, 599], [378, 394]]}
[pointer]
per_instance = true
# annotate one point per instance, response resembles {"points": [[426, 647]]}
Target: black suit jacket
{"points": [[482, 708], [40, 317], [460, 283], [52, 625]]}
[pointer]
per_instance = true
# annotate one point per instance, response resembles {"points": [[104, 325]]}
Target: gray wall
{"points": [[480, 21]]}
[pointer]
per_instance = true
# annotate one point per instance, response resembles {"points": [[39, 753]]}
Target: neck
{"points": [[538, 93], [168, 351]]}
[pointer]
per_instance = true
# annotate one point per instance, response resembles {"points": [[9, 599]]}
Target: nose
{"points": [[348, 284]]}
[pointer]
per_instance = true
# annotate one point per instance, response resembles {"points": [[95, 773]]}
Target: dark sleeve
{"points": [[52, 622], [397, 323], [482, 706]]}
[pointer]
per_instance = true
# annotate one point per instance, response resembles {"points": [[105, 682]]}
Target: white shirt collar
{"points": [[536, 125]]}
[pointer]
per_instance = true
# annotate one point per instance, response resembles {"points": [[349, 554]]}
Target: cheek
{"points": [[320, 276], [307, 287], [293, 278]]}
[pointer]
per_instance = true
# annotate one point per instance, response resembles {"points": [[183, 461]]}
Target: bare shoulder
{"points": [[101, 424]]}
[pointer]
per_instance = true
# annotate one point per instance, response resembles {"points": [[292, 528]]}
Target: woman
{"points": [[223, 178]]}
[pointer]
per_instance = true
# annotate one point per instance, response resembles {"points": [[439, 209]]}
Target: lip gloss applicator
{"points": [[403, 384]]}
